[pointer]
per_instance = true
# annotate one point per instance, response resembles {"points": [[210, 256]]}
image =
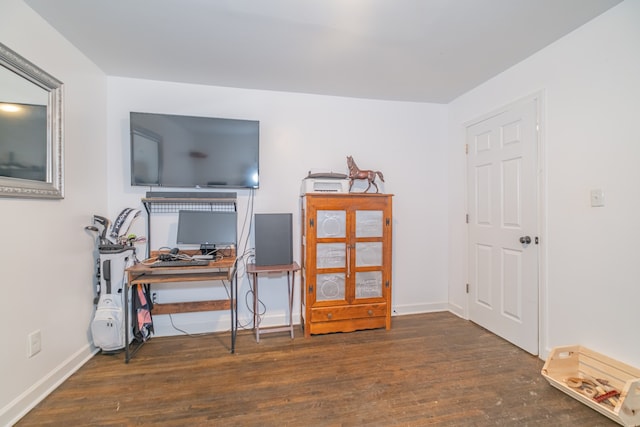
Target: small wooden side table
{"points": [[255, 270]]}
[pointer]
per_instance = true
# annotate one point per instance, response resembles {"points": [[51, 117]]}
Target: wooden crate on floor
{"points": [[590, 377]]}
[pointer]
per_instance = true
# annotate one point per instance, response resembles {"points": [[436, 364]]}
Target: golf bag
{"points": [[116, 254], [107, 327]]}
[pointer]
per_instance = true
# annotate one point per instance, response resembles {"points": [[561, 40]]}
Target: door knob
{"points": [[525, 240]]}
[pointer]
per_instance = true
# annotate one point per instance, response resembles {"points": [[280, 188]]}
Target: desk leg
{"points": [[127, 356], [234, 313]]}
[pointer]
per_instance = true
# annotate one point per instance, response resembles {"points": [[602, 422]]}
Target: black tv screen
{"points": [[195, 152]]}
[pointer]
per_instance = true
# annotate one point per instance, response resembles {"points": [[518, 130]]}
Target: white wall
{"points": [[591, 256], [46, 272], [589, 292], [406, 141]]}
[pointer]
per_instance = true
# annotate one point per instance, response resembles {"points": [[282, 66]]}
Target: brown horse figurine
{"points": [[369, 175]]}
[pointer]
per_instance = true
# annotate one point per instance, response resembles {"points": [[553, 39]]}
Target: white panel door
{"points": [[503, 223]]}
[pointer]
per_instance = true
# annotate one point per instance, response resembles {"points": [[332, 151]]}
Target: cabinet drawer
{"points": [[324, 314]]}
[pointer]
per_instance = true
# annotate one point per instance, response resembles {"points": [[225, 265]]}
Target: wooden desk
{"points": [[255, 270], [215, 271]]}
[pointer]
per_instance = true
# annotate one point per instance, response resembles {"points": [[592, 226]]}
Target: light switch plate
{"points": [[34, 343], [597, 197]]}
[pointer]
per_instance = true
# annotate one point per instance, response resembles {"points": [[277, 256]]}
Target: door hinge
{"points": [[466, 148], [310, 222], [467, 218], [388, 222], [386, 284], [310, 289], [467, 288]]}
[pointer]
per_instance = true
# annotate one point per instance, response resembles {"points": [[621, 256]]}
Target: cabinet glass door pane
{"points": [[331, 224], [329, 287], [369, 284], [368, 223], [330, 255], [368, 254]]}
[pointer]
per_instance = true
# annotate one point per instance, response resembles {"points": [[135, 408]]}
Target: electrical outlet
{"points": [[34, 343]]}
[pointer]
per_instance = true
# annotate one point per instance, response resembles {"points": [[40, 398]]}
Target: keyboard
{"points": [[180, 263]]}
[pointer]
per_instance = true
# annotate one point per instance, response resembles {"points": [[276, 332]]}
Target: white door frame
{"points": [[543, 324]]}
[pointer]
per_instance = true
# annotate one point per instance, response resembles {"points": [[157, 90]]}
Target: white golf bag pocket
{"points": [[107, 327]]}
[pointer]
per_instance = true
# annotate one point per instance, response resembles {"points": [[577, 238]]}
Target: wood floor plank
{"points": [[429, 369]]}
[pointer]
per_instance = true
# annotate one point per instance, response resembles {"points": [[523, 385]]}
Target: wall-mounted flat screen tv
{"points": [[193, 152]]}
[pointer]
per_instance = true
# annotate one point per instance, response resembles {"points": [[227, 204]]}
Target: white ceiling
{"points": [[410, 50]]}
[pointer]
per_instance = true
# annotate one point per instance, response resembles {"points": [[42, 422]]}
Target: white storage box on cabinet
{"points": [[587, 376]]}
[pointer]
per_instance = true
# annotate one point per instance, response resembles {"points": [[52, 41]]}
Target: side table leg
{"points": [[290, 287], [256, 318]]}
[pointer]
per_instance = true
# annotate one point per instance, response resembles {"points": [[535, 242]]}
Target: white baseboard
{"points": [[405, 309], [22, 404], [165, 326], [457, 310]]}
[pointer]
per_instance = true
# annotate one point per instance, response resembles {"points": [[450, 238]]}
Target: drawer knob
{"points": [[370, 312], [329, 316]]}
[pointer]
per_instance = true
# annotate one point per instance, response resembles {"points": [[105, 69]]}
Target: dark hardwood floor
{"points": [[429, 369]]}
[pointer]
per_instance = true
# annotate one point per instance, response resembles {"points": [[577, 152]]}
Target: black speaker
{"points": [[274, 239]]}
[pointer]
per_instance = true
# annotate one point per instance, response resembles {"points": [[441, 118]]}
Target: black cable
{"points": [[189, 334], [248, 217]]}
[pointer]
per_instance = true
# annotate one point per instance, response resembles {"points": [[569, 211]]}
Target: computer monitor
{"points": [[209, 229]]}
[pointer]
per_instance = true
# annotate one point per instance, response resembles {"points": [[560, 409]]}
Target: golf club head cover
{"points": [[122, 223]]}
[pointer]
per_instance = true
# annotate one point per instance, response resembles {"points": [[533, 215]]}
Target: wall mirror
{"points": [[31, 139]]}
